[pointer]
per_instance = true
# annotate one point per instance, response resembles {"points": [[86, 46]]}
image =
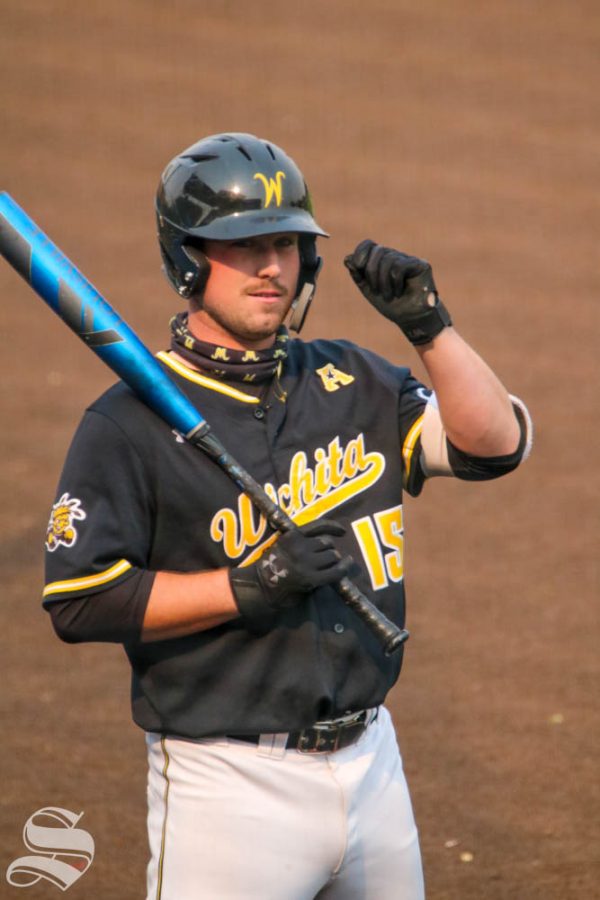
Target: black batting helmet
{"points": [[231, 186]]}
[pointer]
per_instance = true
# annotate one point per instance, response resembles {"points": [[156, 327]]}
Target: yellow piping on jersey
{"points": [[409, 444], [88, 581], [204, 380]]}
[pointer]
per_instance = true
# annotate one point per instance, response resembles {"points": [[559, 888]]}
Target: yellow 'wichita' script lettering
{"points": [[338, 475]]}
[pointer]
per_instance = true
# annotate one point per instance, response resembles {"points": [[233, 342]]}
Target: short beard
{"points": [[238, 330]]}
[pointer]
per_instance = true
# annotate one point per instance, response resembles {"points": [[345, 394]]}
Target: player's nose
{"points": [[270, 264]]}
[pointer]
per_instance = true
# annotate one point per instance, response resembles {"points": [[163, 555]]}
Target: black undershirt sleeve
{"points": [[114, 615]]}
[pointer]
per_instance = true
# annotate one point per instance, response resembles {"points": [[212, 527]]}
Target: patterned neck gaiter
{"points": [[250, 366]]}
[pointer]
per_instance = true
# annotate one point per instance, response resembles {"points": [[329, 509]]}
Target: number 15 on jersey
{"points": [[381, 541]]}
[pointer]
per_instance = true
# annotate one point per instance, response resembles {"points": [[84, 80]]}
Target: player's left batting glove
{"points": [[401, 288], [297, 563]]}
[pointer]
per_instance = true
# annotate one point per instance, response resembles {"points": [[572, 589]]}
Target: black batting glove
{"points": [[401, 288], [299, 561]]}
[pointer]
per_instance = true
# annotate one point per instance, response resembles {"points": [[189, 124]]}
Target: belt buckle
{"points": [[315, 739], [324, 737]]}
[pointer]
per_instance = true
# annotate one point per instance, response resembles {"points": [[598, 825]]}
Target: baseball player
{"points": [[274, 771]]}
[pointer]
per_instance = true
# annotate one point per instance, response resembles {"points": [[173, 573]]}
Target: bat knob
{"points": [[393, 644]]}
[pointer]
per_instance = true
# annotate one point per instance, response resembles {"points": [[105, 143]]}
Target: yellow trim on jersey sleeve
{"points": [[88, 581], [204, 380], [409, 444]]}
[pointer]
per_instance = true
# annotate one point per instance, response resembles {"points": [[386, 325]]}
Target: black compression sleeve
{"points": [[114, 615]]}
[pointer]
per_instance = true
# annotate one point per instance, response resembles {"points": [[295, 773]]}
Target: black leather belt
{"points": [[323, 737]]}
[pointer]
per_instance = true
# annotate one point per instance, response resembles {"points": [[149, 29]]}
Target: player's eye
{"points": [[287, 241]]}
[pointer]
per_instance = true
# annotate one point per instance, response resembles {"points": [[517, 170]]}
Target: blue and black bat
{"points": [[71, 296]]}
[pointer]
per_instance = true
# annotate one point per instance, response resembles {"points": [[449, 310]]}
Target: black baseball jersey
{"points": [[338, 436]]}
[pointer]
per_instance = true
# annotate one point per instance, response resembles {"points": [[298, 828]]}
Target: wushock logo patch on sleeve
{"points": [[61, 529]]}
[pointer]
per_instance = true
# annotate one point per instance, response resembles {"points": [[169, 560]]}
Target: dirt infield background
{"points": [[466, 132]]}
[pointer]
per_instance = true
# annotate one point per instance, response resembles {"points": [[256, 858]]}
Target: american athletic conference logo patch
{"points": [[61, 529]]}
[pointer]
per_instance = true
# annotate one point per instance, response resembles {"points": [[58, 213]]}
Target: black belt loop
{"points": [[323, 737]]}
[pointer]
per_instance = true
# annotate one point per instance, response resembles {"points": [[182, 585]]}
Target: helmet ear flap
{"points": [[310, 266], [186, 268], [194, 250]]}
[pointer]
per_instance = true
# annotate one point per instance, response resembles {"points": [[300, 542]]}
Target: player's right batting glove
{"points": [[401, 288], [294, 565]]}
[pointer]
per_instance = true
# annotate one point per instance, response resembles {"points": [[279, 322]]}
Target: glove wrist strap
{"points": [[423, 328], [248, 594]]}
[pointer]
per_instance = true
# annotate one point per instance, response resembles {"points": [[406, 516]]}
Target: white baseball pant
{"points": [[230, 820]]}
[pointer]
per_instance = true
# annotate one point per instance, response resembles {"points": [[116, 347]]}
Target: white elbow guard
{"points": [[434, 449], [435, 458]]}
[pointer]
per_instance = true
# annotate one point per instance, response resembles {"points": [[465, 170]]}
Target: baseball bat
{"points": [[71, 296]]}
